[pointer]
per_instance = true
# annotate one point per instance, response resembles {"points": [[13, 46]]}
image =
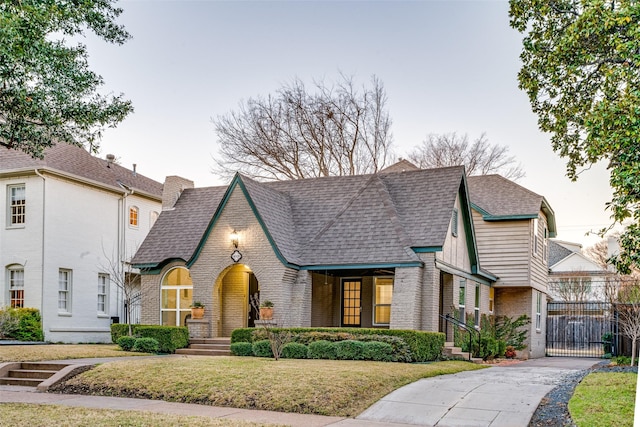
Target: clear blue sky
{"points": [[446, 65]]}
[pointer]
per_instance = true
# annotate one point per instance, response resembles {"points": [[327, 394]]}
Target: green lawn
{"points": [[36, 353], [604, 399], [22, 415], [324, 387]]}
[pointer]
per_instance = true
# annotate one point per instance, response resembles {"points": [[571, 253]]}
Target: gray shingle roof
{"points": [[498, 196], [366, 219], [76, 161], [557, 253]]}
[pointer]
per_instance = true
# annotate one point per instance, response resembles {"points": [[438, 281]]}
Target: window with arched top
{"points": [[176, 297], [133, 216], [15, 282]]}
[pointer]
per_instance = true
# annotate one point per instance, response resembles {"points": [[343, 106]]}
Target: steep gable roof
{"points": [[77, 163], [498, 198], [351, 220]]}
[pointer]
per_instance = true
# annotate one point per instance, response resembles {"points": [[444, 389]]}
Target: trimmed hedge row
{"points": [[169, 338], [22, 324], [407, 345], [322, 349]]}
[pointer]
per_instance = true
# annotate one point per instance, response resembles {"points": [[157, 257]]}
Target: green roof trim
{"points": [[448, 268], [361, 266], [426, 249], [237, 182]]}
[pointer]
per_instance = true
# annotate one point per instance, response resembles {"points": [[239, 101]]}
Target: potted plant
{"points": [[510, 352], [266, 310], [197, 310]]}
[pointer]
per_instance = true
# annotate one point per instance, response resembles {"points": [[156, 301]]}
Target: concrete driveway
{"points": [[500, 396]]}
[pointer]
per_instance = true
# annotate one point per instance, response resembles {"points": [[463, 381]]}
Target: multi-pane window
{"points": [[351, 302], [103, 287], [176, 297], [538, 310], [133, 216], [17, 205], [461, 300], [534, 236], [476, 307], [16, 287], [64, 291], [382, 303]]}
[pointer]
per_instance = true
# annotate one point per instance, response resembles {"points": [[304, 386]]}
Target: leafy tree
{"points": [[479, 157], [581, 70], [301, 133], [47, 92]]}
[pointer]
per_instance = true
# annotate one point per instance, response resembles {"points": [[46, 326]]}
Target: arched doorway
{"points": [[236, 287], [176, 297]]}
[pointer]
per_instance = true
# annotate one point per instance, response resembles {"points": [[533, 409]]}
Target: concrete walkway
{"points": [[498, 396]]}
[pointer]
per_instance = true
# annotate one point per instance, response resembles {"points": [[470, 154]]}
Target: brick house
{"points": [[388, 250], [392, 250]]}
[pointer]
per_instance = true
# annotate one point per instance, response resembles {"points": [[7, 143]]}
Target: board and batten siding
{"points": [[504, 249], [455, 250]]}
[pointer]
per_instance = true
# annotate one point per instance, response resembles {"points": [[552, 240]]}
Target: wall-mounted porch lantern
{"points": [[235, 238]]}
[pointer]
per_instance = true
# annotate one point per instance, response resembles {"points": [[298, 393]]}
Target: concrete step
{"points": [[210, 346], [203, 352], [26, 382], [221, 340], [30, 373]]}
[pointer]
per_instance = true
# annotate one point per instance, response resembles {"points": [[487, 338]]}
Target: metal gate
{"points": [[579, 329]]}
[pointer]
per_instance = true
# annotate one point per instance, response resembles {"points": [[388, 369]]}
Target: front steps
{"points": [[37, 374], [453, 352], [207, 347]]}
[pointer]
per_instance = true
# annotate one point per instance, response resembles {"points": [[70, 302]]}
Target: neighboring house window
{"points": [[382, 303], [545, 253], [492, 293], [103, 288], [476, 307], [64, 291], [176, 297], [153, 217], [16, 286], [461, 300], [17, 205], [454, 222], [538, 310], [133, 216]]}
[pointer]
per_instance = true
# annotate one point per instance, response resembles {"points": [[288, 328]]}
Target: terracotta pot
{"points": [[197, 312], [266, 313]]}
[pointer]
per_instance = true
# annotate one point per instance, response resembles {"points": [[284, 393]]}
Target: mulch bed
{"points": [[553, 409]]}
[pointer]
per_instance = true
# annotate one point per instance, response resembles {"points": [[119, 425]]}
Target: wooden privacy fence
{"points": [[577, 328]]}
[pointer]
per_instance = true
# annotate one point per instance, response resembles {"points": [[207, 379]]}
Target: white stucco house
{"points": [[64, 219]]}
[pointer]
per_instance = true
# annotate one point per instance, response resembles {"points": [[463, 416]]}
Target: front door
{"points": [[351, 302], [253, 292]]}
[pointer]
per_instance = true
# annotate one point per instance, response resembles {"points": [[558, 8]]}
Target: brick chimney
{"points": [[173, 187]]}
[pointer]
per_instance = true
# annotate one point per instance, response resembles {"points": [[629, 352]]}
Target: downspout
{"points": [[42, 316]]}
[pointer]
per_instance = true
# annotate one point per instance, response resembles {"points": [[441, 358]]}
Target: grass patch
{"points": [[36, 353], [323, 387], [23, 415], [604, 399]]}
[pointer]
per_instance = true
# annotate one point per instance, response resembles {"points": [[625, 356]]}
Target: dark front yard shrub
{"points": [[146, 345], [400, 349], [322, 350], [294, 350], [378, 351], [241, 349], [307, 338], [262, 348], [126, 343], [349, 350], [242, 335], [169, 338]]}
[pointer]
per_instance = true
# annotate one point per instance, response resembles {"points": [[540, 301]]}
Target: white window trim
{"points": [[9, 212], [137, 210], [67, 292], [538, 311], [477, 296], [454, 223], [462, 314], [107, 283], [10, 270], [374, 305], [177, 309]]}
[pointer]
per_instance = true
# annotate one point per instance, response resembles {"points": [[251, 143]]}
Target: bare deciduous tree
{"points": [[574, 286], [297, 133], [628, 309], [479, 157]]}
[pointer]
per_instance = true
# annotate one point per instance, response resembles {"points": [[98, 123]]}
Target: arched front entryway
{"points": [[235, 288]]}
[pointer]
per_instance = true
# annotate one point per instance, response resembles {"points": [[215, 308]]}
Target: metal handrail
{"points": [[449, 318]]}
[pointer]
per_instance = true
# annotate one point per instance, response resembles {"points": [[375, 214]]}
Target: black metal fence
{"points": [[581, 329]]}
